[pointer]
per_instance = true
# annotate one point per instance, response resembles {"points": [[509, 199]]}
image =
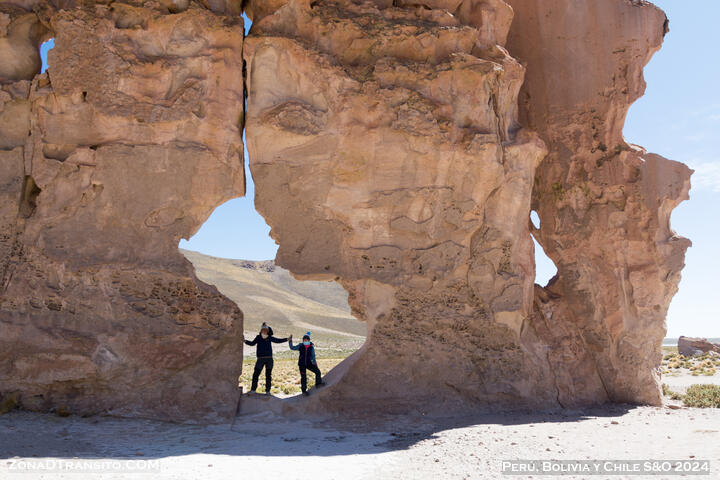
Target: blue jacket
{"points": [[306, 356], [264, 345]]}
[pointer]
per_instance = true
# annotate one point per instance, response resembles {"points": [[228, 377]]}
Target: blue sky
{"points": [[679, 118], [235, 229], [43, 53]]}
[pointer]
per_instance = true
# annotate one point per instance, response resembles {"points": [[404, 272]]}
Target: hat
{"points": [[264, 326], [307, 335]]}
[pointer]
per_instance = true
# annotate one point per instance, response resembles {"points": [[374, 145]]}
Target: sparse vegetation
{"points": [[706, 364], [10, 402], [285, 374], [63, 411], [267, 293], [702, 396], [669, 393]]}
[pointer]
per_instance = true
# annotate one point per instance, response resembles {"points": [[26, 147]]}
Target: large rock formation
{"points": [[389, 154], [690, 346], [124, 146], [386, 151], [604, 205]]}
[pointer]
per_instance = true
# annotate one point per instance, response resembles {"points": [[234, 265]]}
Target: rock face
{"points": [[126, 145], [690, 346], [397, 146], [388, 154], [604, 205], [386, 151]]}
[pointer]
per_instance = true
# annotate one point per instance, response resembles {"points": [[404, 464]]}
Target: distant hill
{"points": [[268, 293]]}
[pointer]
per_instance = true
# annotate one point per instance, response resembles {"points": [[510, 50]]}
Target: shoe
{"points": [[306, 394], [320, 384]]}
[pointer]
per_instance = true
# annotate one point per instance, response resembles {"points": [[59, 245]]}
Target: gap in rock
{"points": [[535, 219], [30, 192], [545, 268], [44, 49], [234, 252]]}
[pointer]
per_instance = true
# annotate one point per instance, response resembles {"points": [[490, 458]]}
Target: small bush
{"points": [[669, 393], [702, 396], [10, 402], [63, 411]]}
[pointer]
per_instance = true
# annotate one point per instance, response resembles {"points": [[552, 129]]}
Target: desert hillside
{"points": [[268, 293]]}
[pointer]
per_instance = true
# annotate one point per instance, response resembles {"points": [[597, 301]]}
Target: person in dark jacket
{"points": [[306, 361], [264, 353]]}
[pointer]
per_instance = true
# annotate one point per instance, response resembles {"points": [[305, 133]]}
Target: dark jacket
{"points": [[307, 354], [264, 345]]}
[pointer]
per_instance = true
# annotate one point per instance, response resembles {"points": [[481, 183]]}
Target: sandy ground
{"points": [[267, 446], [680, 382]]}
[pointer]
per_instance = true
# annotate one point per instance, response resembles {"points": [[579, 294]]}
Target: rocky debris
{"points": [[262, 265], [690, 346]]}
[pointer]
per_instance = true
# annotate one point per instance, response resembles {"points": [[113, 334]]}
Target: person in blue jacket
{"points": [[264, 354], [306, 361]]}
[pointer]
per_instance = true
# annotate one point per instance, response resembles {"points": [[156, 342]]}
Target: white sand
{"points": [[678, 382], [266, 446]]}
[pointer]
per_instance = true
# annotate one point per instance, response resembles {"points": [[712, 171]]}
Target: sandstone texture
{"points": [[690, 346], [389, 155], [124, 146], [604, 205], [397, 147]]}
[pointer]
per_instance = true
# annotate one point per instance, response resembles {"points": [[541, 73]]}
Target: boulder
{"points": [[690, 346]]}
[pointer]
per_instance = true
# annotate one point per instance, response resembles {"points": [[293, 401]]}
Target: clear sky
{"points": [[679, 117], [43, 53], [235, 229]]}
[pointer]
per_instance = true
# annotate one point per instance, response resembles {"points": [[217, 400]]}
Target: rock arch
{"points": [[390, 152]]}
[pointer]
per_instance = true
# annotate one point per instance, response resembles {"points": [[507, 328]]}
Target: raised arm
{"points": [[252, 342], [296, 347], [278, 340]]}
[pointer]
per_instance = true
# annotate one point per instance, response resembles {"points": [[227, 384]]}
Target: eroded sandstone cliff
{"points": [[604, 204], [397, 146], [124, 146], [388, 155]]}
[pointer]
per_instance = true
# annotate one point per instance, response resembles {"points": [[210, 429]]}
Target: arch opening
{"points": [[545, 268], [234, 252], [45, 47]]}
